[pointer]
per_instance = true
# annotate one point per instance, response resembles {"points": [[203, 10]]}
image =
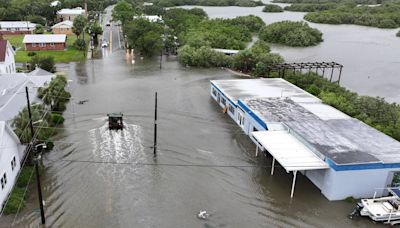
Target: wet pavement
{"points": [[101, 178]]}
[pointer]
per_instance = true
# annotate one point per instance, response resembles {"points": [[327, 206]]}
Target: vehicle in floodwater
{"points": [[383, 209], [115, 121]]}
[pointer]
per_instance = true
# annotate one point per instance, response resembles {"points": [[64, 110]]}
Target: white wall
{"points": [[355, 183], [10, 148]]}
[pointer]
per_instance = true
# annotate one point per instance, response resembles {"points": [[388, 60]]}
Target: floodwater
{"points": [[100, 178], [370, 56]]}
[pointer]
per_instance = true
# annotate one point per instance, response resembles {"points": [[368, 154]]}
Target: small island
{"points": [[271, 8], [295, 34]]}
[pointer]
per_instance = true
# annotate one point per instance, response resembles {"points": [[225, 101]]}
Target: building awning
{"points": [[291, 153]]}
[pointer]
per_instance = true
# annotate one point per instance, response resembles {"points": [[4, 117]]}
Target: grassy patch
{"points": [[17, 196], [69, 55], [15, 40]]}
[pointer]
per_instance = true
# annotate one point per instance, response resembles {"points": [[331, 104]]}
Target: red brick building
{"points": [[16, 27], [45, 42]]}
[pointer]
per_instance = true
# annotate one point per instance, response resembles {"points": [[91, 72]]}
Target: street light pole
{"points": [[39, 188]]}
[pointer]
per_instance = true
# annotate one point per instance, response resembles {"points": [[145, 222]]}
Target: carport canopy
{"points": [[290, 152]]}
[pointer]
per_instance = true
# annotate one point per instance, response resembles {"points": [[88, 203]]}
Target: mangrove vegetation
{"points": [[271, 8], [295, 34], [383, 16]]}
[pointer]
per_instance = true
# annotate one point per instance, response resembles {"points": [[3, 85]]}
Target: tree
{"points": [[21, 123], [55, 94], [123, 12], [144, 36], [94, 29], [39, 29], [44, 62], [79, 25]]}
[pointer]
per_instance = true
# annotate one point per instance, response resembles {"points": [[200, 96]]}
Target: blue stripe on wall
{"points": [[214, 86], [361, 166], [252, 114]]}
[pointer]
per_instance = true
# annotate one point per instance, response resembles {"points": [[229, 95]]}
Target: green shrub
{"points": [[271, 8], [31, 53], [80, 44], [202, 57], [386, 15], [310, 7], [398, 34], [39, 29], [297, 34], [44, 62], [56, 119]]}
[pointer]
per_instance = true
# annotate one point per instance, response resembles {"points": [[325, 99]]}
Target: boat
{"points": [[384, 209]]}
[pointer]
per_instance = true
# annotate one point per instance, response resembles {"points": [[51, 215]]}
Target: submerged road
{"points": [[101, 178]]}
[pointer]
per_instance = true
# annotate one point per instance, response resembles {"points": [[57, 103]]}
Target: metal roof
{"points": [[17, 24], [63, 24], [12, 92], [266, 87], [226, 51], [342, 139], [289, 151], [77, 10], [45, 38]]}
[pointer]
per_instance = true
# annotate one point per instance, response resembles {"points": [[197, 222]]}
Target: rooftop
{"points": [[12, 91], [17, 24], [335, 135], [77, 11], [63, 24], [267, 87], [45, 38]]}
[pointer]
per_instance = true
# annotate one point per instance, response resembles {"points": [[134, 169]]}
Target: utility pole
{"points": [[36, 159], [155, 127]]}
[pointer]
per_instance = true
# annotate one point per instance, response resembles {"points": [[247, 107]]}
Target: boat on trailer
{"points": [[383, 209]]}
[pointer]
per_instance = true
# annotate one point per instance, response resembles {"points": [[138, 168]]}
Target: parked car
{"points": [[108, 24], [104, 44]]}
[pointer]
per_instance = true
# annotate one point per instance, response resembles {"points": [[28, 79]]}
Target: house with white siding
{"points": [[11, 155]]}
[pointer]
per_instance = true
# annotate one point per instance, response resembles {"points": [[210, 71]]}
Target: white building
{"points": [[16, 27], [341, 155], [7, 60], [11, 154], [12, 91], [70, 14], [151, 18]]}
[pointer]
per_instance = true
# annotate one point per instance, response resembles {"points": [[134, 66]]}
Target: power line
{"points": [[28, 149]]}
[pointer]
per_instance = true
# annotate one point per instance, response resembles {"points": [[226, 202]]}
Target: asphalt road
{"points": [[110, 34]]}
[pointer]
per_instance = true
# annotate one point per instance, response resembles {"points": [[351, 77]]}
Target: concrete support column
{"points": [[294, 183]]}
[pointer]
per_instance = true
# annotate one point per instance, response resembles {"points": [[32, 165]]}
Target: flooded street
{"points": [[370, 56], [100, 178]]}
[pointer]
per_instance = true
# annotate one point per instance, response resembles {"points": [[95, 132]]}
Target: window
{"points": [[52, 44], [214, 92], [13, 163], [61, 29], [3, 181], [223, 101], [8, 29], [42, 45], [231, 109], [33, 44]]}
